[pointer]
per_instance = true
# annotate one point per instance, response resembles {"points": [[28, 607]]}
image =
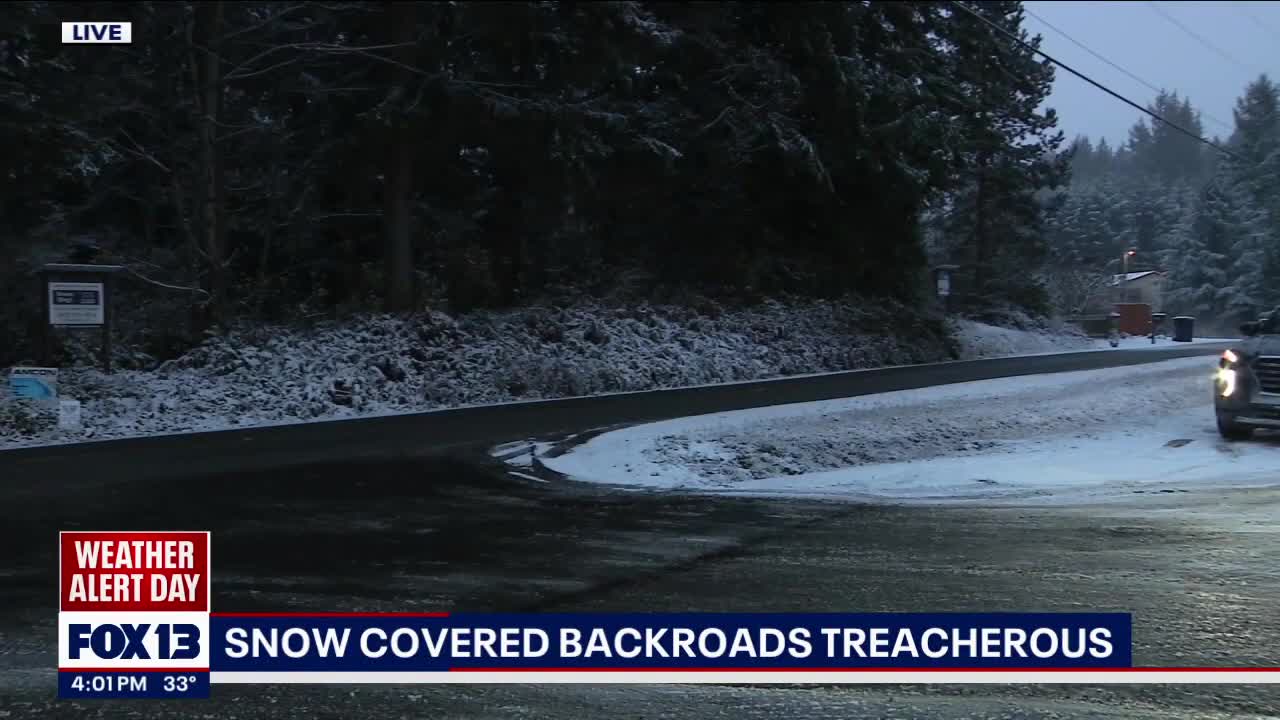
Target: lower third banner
{"points": [[405, 647]]}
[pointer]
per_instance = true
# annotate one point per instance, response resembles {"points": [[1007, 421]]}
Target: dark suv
{"points": [[1246, 389]]}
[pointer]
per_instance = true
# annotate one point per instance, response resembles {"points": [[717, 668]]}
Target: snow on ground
{"points": [[980, 340], [386, 365], [1144, 343], [1045, 437]]}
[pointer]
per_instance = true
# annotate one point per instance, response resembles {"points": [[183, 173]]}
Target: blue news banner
{"points": [[649, 641]]}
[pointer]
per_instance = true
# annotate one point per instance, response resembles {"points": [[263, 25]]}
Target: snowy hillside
{"points": [[382, 364]]}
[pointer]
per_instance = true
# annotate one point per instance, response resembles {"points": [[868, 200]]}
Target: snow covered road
{"points": [[1051, 438]]}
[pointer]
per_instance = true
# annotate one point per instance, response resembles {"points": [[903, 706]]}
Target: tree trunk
{"points": [[398, 182], [399, 226], [981, 251], [209, 18]]}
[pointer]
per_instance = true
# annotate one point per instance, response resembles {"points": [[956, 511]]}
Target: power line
{"points": [[1240, 8], [1093, 82], [1223, 53], [1082, 46], [1089, 50]]}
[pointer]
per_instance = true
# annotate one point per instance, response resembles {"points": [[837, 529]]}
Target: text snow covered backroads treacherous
{"points": [[441, 642], [675, 643]]}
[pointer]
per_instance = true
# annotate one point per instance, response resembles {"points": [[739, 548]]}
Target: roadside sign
{"points": [[68, 414], [34, 383], [944, 283], [76, 303], [75, 298]]}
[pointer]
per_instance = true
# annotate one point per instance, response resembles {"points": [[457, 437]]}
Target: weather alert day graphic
{"points": [[133, 618]]}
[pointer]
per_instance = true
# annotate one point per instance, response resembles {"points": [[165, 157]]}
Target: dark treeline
{"points": [[265, 160], [1211, 220]]}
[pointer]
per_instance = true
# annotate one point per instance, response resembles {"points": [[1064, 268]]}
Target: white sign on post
{"points": [[944, 284], [76, 303], [68, 414]]}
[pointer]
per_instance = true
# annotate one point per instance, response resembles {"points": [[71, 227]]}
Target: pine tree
{"points": [[1215, 256], [1105, 158], [1211, 220], [1256, 174], [1014, 154], [1160, 151]]}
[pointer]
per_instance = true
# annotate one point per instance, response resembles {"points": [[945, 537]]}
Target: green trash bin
{"points": [[1183, 328]]}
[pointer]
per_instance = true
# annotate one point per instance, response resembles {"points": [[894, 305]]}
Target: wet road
{"points": [[1200, 572]]}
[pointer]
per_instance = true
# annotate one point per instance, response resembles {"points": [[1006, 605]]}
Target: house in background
{"points": [[1145, 287]]}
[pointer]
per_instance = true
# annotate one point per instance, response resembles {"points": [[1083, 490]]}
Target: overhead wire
{"points": [[1197, 36], [1240, 7], [970, 11], [1114, 65]]}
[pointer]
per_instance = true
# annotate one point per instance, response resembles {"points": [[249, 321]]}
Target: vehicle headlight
{"points": [[1228, 359], [1226, 381]]}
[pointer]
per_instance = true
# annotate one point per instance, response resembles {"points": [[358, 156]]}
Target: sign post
{"points": [[77, 296], [942, 284]]}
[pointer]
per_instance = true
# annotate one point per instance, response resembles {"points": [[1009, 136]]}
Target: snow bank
{"points": [[382, 365], [991, 438], [1180, 453], [980, 340]]}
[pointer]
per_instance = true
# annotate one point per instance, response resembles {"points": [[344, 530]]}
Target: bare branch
{"points": [[157, 283], [138, 151], [321, 91], [270, 19], [235, 133], [254, 73]]}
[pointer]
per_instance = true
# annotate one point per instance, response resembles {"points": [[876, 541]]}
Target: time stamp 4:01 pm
{"points": [[134, 684]]}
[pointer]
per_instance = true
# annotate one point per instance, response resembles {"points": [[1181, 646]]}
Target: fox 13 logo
{"points": [[135, 641]]}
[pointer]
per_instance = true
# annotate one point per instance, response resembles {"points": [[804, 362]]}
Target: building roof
{"points": [[1130, 277]]}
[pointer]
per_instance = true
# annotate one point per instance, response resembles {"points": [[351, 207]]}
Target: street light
{"points": [[1124, 273]]}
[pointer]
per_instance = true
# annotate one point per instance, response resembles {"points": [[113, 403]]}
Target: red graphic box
{"points": [[134, 571]]}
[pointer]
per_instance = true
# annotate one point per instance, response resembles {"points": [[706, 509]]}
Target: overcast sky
{"points": [[1136, 37]]}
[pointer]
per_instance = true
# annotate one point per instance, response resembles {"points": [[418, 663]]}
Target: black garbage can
{"points": [[1183, 328]]}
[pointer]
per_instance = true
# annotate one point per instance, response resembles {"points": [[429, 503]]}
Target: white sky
{"points": [[1135, 36]]}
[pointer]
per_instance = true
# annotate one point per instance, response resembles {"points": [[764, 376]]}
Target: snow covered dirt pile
{"points": [[383, 364], [948, 440], [1021, 336]]}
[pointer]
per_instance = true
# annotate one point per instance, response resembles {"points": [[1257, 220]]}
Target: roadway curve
{"points": [[260, 448], [410, 527]]}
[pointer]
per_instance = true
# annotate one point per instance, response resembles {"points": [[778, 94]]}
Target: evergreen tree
{"points": [[1105, 158], [1013, 153], [1214, 259], [1160, 151], [254, 159], [1217, 239], [1256, 172]]}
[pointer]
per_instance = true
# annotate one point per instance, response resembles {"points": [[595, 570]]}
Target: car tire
{"points": [[1231, 430]]}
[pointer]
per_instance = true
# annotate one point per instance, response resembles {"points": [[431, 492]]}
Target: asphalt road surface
{"points": [[442, 527]]}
